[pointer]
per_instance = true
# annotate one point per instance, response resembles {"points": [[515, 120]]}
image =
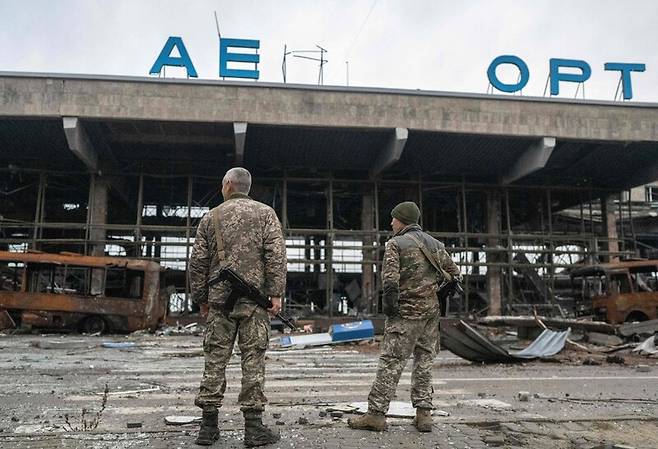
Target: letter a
{"points": [[165, 57]]}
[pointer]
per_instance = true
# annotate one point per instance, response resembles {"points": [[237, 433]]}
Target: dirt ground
{"points": [[44, 378]]}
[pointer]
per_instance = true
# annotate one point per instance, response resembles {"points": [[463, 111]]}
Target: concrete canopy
{"points": [[205, 126]]}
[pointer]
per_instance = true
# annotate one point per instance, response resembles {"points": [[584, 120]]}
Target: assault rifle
{"points": [[446, 292], [241, 288]]}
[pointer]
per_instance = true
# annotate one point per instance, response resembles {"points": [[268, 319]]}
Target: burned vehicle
{"points": [[84, 293], [618, 292]]}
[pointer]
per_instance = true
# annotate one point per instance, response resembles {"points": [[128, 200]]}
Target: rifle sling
{"points": [[430, 257], [221, 254]]}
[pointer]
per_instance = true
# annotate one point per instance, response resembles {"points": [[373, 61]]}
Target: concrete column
{"points": [[494, 274], [609, 222], [367, 269], [98, 198]]}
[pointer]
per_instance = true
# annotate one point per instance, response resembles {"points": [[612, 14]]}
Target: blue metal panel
{"points": [[225, 57], [556, 76], [357, 330], [165, 57], [625, 69], [508, 59]]}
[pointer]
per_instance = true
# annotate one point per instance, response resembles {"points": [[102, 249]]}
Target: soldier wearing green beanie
{"points": [[414, 265]]}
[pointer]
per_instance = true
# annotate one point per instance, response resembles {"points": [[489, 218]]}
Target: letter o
{"points": [[508, 59]]}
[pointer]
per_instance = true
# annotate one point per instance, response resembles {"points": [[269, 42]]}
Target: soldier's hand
{"points": [[276, 305], [203, 308]]}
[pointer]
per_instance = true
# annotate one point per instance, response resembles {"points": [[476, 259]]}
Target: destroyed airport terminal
{"points": [[521, 190], [547, 205]]}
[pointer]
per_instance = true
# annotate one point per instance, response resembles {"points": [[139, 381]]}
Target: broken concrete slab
{"points": [[64, 344], [180, 420], [487, 403], [642, 328], [600, 339], [396, 409]]}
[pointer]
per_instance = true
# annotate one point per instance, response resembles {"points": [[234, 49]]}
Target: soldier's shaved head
{"points": [[240, 179]]}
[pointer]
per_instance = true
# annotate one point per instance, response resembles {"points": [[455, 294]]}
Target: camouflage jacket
{"points": [[408, 278], [253, 246]]}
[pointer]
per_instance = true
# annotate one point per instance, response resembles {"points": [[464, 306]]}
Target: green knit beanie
{"points": [[407, 212]]}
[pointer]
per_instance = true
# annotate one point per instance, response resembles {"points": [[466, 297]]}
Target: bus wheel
{"points": [[93, 325]]}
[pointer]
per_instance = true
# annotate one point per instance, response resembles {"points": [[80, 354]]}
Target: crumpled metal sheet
{"points": [[547, 344], [647, 347], [464, 341]]}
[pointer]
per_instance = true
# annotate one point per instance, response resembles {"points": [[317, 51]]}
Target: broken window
{"points": [[123, 283]]}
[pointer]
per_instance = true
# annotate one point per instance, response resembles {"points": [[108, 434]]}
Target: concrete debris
{"points": [[642, 328], [487, 403], [179, 420], [189, 329], [133, 425], [494, 440], [523, 396], [130, 392], [590, 361], [184, 354], [302, 420], [63, 344], [397, 409], [119, 344], [643, 369], [600, 339]]}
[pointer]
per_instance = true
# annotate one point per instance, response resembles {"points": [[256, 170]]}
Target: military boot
{"points": [[369, 421], [255, 432], [423, 420], [209, 433]]}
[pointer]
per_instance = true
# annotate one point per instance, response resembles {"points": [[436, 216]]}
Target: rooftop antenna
{"points": [[296, 54], [283, 64], [219, 34]]}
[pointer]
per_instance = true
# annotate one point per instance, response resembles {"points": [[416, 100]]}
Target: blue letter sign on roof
{"points": [[556, 76], [625, 69], [165, 57], [225, 57], [508, 59]]}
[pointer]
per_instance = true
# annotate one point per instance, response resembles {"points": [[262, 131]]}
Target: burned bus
{"points": [[619, 292], [84, 293]]}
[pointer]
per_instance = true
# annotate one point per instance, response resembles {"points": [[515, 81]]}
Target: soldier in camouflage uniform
{"points": [[410, 284], [246, 236]]}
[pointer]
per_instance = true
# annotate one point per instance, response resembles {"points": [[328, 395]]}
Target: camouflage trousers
{"points": [[251, 328], [403, 337]]}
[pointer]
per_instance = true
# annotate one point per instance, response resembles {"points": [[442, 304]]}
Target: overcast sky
{"points": [[428, 44]]}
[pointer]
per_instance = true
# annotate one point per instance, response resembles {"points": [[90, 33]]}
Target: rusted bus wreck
{"points": [[619, 292], [84, 293]]}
